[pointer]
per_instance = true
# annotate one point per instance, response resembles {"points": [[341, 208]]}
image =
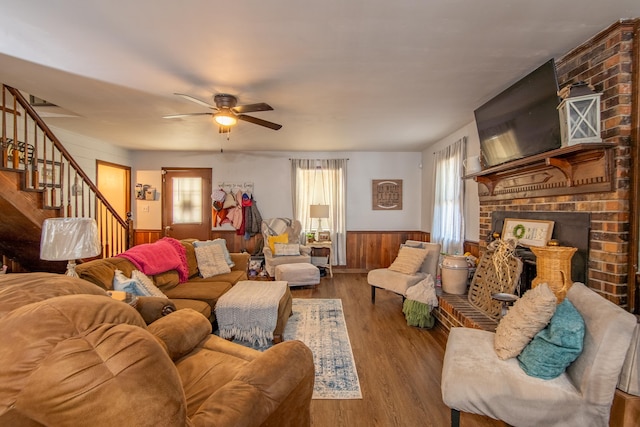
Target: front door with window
{"points": [[186, 210]]}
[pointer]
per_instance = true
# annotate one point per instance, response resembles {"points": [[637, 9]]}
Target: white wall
{"points": [[271, 174], [471, 201], [85, 151], [148, 213]]}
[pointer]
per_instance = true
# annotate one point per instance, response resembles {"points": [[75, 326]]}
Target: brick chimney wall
{"points": [[606, 61]]}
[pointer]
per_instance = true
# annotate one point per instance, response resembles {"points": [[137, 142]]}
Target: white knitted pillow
{"points": [[528, 316], [211, 261], [287, 249], [148, 284], [409, 260], [139, 284]]}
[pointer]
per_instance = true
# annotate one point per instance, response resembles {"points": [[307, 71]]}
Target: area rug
{"points": [[320, 324]]}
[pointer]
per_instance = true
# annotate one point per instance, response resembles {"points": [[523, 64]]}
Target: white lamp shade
{"points": [[66, 239], [319, 211]]}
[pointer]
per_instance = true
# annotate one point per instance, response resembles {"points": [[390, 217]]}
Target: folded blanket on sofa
{"points": [[155, 258]]}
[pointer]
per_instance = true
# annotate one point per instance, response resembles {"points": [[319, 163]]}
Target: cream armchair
{"points": [[383, 278], [278, 227], [475, 380]]}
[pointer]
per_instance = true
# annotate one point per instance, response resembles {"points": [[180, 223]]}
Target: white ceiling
{"points": [[341, 75]]}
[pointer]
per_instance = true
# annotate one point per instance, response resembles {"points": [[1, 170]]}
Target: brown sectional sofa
{"points": [[77, 356], [197, 293]]}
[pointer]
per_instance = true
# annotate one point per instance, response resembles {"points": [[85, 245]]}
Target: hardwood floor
{"points": [[399, 366]]}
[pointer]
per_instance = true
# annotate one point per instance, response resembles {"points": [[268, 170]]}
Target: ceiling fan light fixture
{"points": [[225, 119]]}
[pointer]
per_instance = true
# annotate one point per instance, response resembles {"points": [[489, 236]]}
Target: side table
{"points": [[323, 245]]}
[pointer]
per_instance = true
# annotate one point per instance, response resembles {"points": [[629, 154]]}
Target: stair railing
{"points": [[29, 145]]}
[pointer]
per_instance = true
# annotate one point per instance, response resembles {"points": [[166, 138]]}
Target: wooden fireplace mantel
{"points": [[582, 168]]}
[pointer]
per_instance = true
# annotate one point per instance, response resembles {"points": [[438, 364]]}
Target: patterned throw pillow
{"points": [[146, 282], [211, 261], [223, 245], [409, 260], [528, 316], [139, 284], [287, 249]]}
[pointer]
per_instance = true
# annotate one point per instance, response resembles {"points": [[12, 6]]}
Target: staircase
{"points": [[38, 180]]}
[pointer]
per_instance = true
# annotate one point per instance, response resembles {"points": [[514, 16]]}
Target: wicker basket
{"points": [[553, 266], [487, 282]]}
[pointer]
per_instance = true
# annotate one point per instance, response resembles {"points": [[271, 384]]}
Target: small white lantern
{"points": [[579, 115]]}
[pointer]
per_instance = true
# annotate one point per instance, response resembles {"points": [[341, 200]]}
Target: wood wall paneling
{"points": [[366, 250], [237, 243], [146, 236], [472, 247]]}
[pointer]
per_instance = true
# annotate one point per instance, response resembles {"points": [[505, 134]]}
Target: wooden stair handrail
{"points": [[43, 126]]}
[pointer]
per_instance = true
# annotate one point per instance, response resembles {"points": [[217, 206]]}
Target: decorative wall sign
{"points": [[386, 194], [529, 232], [49, 174]]}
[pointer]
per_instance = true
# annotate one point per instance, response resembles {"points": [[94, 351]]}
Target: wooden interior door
{"points": [[114, 182], [186, 210]]}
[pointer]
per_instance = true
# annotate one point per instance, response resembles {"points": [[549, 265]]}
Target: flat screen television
{"points": [[522, 120]]}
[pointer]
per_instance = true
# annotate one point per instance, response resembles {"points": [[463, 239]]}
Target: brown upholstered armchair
{"points": [[78, 356]]}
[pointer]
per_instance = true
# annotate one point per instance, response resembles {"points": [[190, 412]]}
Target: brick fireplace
{"points": [[607, 62]]}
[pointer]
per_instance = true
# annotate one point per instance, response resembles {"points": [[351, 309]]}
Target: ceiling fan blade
{"points": [[177, 116], [250, 108], [196, 100], [257, 121]]}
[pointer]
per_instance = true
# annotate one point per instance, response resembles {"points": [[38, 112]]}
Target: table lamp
{"points": [[319, 211], [69, 239]]}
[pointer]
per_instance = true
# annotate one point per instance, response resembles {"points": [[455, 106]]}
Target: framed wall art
{"points": [[386, 194], [529, 232], [49, 174]]}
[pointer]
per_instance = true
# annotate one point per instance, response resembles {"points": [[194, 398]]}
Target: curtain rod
{"points": [[318, 159]]}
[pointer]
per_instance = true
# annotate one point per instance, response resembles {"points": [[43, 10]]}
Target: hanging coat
{"points": [[256, 219], [235, 216]]}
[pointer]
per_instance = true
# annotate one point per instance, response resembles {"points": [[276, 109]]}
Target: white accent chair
{"points": [[276, 227], [475, 380], [383, 278]]}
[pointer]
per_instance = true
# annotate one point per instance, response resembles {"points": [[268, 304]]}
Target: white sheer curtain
{"points": [[322, 182], [448, 208]]}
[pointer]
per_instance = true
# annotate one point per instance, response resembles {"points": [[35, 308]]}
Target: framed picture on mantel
{"points": [[386, 194], [529, 232]]}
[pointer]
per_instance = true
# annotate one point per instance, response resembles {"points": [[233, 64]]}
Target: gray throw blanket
{"points": [[249, 311]]}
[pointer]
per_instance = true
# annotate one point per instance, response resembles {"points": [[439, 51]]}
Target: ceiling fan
{"points": [[226, 112]]}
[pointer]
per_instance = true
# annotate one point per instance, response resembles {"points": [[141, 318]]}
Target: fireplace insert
{"points": [[570, 229]]}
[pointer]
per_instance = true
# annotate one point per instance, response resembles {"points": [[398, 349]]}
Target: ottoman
{"points": [[249, 305], [300, 274]]}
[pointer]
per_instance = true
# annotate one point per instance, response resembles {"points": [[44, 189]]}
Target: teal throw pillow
{"points": [[556, 346]]}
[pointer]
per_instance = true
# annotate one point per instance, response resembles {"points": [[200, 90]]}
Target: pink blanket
{"points": [[155, 258]]}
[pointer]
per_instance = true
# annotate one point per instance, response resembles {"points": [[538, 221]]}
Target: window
{"points": [[448, 212], [187, 200], [322, 182]]}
